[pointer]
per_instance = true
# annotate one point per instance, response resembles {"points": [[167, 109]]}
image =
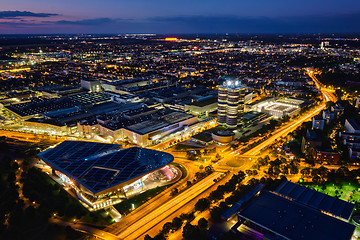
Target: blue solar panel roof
{"points": [[317, 200], [99, 166], [294, 220]]}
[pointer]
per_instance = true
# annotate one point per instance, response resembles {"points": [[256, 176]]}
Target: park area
{"points": [[344, 191]]}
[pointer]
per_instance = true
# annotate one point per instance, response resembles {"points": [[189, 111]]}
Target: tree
{"points": [[199, 175], [160, 236], [305, 171], [215, 213], [316, 179], [147, 237], [166, 228], [294, 169], [202, 204], [176, 223], [174, 192], [191, 232], [203, 224], [209, 169]]}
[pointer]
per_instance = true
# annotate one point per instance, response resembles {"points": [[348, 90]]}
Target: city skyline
{"points": [[180, 120], [38, 17]]}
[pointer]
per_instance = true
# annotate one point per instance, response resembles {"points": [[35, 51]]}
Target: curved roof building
{"points": [[100, 168]]}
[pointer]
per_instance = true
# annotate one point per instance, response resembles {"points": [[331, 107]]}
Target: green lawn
{"points": [[345, 191]]}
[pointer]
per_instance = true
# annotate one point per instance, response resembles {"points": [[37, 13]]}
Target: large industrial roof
{"points": [[42, 106], [317, 200], [99, 166], [159, 123], [235, 207], [293, 220]]}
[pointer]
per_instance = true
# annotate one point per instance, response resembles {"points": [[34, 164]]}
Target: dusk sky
{"points": [[179, 16]]}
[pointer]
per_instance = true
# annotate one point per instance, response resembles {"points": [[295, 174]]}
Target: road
{"points": [[86, 229], [149, 206], [29, 137], [328, 93], [283, 131], [150, 220], [187, 208]]}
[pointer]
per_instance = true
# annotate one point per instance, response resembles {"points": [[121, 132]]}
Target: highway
{"points": [[328, 93], [283, 131], [187, 208], [150, 220], [149, 206]]}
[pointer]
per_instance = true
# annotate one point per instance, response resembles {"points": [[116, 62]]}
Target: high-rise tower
{"points": [[230, 103]]}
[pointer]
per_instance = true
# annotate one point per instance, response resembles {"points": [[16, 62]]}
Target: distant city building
{"points": [[203, 106], [357, 104], [311, 140], [231, 99], [328, 116], [318, 123], [351, 126], [338, 109], [91, 85], [328, 156], [351, 137]]}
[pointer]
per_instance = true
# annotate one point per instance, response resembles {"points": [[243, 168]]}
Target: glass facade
{"points": [[231, 98]]}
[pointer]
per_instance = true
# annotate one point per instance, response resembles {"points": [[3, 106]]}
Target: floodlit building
{"points": [[231, 99], [103, 174], [278, 107], [91, 85], [149, 132]]}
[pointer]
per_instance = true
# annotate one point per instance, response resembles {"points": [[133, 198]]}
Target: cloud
{"points": [[86, 22], [19, 14], [341, 23]]}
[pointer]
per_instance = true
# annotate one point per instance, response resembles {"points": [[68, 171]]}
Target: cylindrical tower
{"points": [[222, 105], [230, 103]]}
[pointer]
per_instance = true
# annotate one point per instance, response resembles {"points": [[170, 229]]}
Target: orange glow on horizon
{"points": [[171, 39]]}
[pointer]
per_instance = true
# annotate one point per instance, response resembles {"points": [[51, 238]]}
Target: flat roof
{"points": [[205, 102], [315, 199], [293, 220], [162, 122], [99, 166], [40, 106], [235, 207], [353, 124]]}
